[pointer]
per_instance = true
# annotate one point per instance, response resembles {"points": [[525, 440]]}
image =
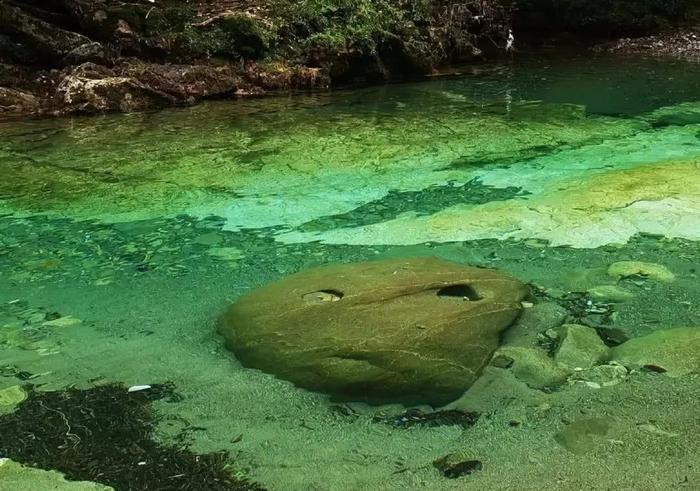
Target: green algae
{"points": [[186, 210], [425, 201], [132, 168]]}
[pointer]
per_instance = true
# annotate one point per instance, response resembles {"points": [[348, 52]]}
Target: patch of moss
{"points": [[105, 434]]}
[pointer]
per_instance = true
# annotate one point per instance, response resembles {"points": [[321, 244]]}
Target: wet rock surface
{"points": [[135, 86], [416, 329], [17, 101], [628, 269]]}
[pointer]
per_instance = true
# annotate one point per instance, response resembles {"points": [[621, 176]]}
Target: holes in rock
{"points": [[464, 292], [322, 296]]}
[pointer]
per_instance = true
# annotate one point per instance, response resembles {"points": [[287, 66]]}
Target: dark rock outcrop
{"points": [[142, 54], [42, 42]]}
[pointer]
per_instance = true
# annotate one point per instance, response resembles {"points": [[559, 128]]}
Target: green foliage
{"points": [[348, 25], [239, 35]]}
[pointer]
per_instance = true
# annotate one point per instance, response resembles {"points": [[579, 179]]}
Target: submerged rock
{"points": [[584, 435], [11, 396], [601, 376], [580, 347], [656, 272], [610, 293], [675, 352], [533, 366], [20, 477], [605, 208], [416, 329], [679, 115], [539, 318]]}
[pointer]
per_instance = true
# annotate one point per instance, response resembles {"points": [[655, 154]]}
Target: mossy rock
{"points": [[676, 352], [414, 330]]}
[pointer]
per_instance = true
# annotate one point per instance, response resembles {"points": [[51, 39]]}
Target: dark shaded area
{"points": [[105, 434], [612, 336], [453, 467], [424, 202], [584, 310], [416, 417], [600, 18], [464, 292]]}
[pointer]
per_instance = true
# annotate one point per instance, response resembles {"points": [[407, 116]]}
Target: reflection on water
{"points": [[123, 238]]}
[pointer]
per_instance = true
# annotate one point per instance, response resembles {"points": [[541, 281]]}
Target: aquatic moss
{"points": [[105, 434]]}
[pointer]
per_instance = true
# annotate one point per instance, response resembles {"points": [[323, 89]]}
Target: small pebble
{"points": [[138, 388]]}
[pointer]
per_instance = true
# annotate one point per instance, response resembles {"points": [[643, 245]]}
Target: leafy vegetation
{"points": [[347, 25]]}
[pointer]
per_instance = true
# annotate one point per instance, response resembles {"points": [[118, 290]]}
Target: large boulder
{"points": [[412, 330], [128, 87]]}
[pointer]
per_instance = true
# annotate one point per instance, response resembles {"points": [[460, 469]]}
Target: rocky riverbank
{"points": [[679, 44], [79, 56], [82, 57]]}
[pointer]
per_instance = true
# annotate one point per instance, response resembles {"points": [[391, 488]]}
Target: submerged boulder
{"points": [[675, 352], [626, 269], [580, 347], [414, 330]]}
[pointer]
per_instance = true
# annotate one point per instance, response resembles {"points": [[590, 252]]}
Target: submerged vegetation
{"points": [[105, 434]]}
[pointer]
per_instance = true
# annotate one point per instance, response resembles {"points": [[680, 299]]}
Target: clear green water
{"points": [[144, 227]]}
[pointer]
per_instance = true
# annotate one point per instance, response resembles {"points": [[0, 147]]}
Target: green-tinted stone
{"points": [[419, 329], [580, 347], [676, 351]]}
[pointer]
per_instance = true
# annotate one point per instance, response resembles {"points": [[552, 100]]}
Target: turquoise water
{"points": [[139, 230]]}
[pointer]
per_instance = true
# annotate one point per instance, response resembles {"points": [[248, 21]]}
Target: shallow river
{"points": [[124, 237]]}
